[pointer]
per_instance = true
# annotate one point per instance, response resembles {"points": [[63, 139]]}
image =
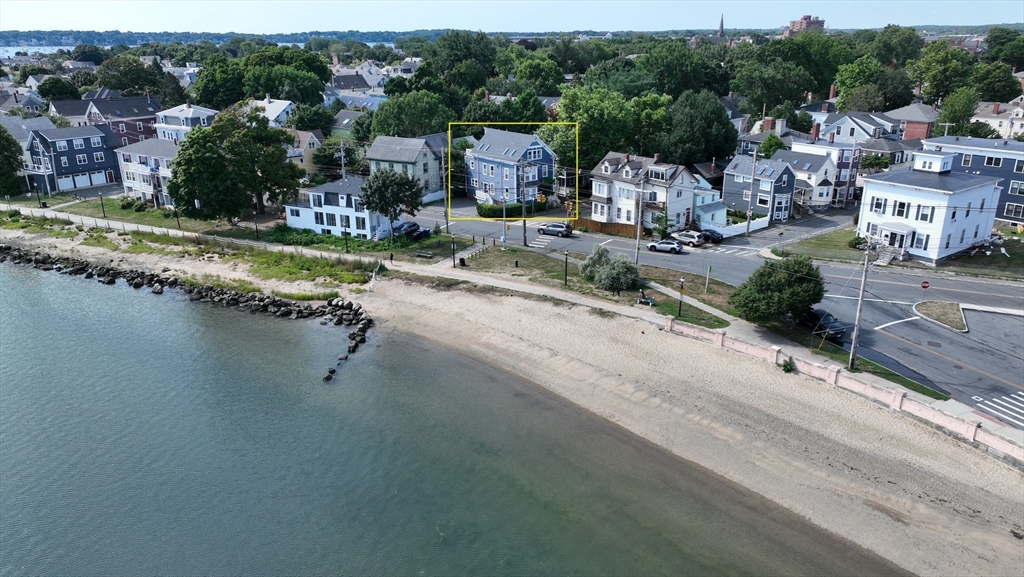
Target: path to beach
{"points": [[926, 501]]}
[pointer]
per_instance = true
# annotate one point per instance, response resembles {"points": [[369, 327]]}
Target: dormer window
{"points": [[605, 169], [626, 172]]}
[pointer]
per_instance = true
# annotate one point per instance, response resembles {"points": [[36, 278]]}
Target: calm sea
{"points": [[144, 434]]}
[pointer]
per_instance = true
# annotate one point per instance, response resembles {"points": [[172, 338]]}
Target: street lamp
{"points": [[566, 268], [104, 208], [176, 218], [504, 222], [682, 291], [255, 208], [453, 251], [344, 223]]}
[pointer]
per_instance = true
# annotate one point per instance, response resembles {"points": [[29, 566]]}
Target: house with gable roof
{"points": [[508, 166], [76, 111], [916, 120], [996, 157], [344, 120], [306, 143], [624, 186], [27, 99], [71, 158], [846, 155], [765, 188], [174, 124], [814, 176], [145, 169], [21, 129], [337, 208], [1007, 119], [131, 119], [859, 126], [422, 157], [276, 111]]}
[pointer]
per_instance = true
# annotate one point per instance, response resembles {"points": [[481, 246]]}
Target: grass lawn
{"points": [[995, 264], [30, 200], [837, 353], [690, 314], [829, 246], [718, 292], [439, 248], [944, 312], [92, 208]]}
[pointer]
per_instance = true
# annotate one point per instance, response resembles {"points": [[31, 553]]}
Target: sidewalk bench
{"points": [[424, 254]]}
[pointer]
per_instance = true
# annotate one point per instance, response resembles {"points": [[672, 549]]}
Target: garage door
{"points": [[81, 180], [65, 183], [98, 177]]}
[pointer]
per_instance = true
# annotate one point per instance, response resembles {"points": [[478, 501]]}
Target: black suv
{"points": [[406, 228], [822, 323]]}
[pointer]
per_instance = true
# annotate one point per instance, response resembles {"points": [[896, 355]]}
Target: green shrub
{"points": [[318, 179], [167, 212], [140, 206], [788, 366], [598, 258], [511, 210], [14, 213], [856, 241], [618, 275], [126, 203]]}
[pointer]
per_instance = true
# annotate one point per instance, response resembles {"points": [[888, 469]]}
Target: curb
{"points": [[959, 307]]}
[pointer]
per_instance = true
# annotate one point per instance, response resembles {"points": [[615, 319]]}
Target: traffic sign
{"points": [[925, 284]]}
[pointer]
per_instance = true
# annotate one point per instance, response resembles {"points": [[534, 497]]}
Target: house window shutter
{"points": [[931, 217], [913, 236], [907, 213], [885, 205], [926, 237]]}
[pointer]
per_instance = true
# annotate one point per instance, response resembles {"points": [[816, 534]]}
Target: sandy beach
{"points": [[925, 501]]}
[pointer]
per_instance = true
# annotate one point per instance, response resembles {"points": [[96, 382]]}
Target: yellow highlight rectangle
{"points": [[575, 202]]}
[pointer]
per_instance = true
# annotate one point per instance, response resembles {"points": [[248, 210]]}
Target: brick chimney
{"points": [[657, 157], [627, 158], [815, 131], [995, 108], [487, 96], [831, 137], [768, 124], [831, 92]]}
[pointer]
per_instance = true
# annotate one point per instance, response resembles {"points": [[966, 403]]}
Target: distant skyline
{"points": [[279, 16]]}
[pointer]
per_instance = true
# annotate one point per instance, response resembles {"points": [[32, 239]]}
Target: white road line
{"points": [[871, 300], [730, 251], [1017, 403], [880, 327], [607, 241], [1008, 406], [1017, 396], [1000, 415]]}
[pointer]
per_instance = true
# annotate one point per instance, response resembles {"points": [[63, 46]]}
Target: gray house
{"points": [[773, 183], [996, 157], [422, 157], [72, 158]]}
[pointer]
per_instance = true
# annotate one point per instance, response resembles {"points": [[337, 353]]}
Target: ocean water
{"points": [[144, 434]]}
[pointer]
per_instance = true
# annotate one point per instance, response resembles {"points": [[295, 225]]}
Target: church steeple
{"points": [[721, 27]]}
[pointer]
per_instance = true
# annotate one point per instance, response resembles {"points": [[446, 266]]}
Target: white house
{"points": [[335, 208], [620, 181], [175, 123], [814, 177], [276, 111], [928, 212], [146, 168], [1007, 119]]}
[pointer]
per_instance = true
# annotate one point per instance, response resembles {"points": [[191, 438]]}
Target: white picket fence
{"points": [[741, 228]]}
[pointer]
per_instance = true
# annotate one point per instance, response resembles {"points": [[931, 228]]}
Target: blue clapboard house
{"points": [[508, 167]]}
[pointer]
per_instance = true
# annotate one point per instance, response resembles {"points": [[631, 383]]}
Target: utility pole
{"points": [[860, 305], [521, 183], [947, 125], [750, 199], [639, 218], [444, 186]]}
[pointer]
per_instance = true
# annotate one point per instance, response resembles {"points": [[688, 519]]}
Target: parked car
{"points": [[713, 236], [689, 237], [822, 323], [406, 228], [421, 234], [667, 245], [382, 233], [556, 228]]}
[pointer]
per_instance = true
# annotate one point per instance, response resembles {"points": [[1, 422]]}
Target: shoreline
{"points": [[897, 488]]}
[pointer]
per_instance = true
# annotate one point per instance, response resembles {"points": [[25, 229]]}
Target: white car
{"points": [[689, 238]]}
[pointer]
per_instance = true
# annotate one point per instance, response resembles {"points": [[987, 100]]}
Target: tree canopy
{"points": [[701, 130], [10, 163], [791, 285], [940, 71], [392, 193], [995, 82], [770, 145], [307, 117], [416, 114], [56, 88]]}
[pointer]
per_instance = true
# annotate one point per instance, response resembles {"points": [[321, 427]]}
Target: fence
{"points": [[613, 228], [894, 398], [741, 228]]}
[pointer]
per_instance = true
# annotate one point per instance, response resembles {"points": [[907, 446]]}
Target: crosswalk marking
{"points": [[540, 242], [1009, 409]]}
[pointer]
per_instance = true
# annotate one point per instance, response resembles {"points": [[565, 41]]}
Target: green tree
{"points": [[542, 76], [1013, 54], [397, 86], [219, 84], [770, 84], [866, 98], [31, 70], [770, 145], [82, 78], [56, 88], [874, 161], [823, 57], [10, 163], [619, 274], [651, 121], [941, 70], [895, 45], [595, 261], [362, 128], [291, 57], [701, 129], [995, 82], [467, 75], [283, 82], [125, 73], [88, 53], [415, 114], [604, 124], [307, 117], [21, 112], [896, 88], [676, 69], [482, 111], [791, 285], [456, 46], [329, 155], [957, 110], [996, 40], [620, 75], [864, 70], [258, 156], [337, 106], [392, 193], [202, 184], [59, 121]]}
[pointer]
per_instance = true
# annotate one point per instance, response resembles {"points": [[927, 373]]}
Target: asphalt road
{"points": [[983, 367]]}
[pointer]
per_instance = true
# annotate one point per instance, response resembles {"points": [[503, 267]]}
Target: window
{"points": [[949, 238], [96, 142], [873, 229], [145, 178], [600, 188], [921, 241], [472, 163], [121, 126], [202, 121], [977, 227], [737, 178], [139, 125], [126, 157], [924, 213], [183, 123], [97, 157], [1019, 166], [311, 144], [144, 160], [129, 176], [746, 195], [63, 161], [82, 159], [952, 215], [293, 212], [318, 218], [968, 211], [505, 173], [982, 207], [1014, 210], [629, 215], [846, 154], [963, 232], [142, 137], [993, 161], [785, 179], [332, 219], [678, 217], [492, 170], [878, 205], [318, 201], [426, 169], [533, 154], [618, 213], [360, 223], [762, 200], [79, 144], [851, 131], [966, 161], [844, 176], [475, 182], [62, 145], [325, 231], [764, 184], [124, 141], [357, 205], [900, 209], [544, 171], [1017, 187]]}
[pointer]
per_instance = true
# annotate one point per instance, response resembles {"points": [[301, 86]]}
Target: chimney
{"points": [[16, 97], [334, 59], [768, 124], [780, 127], [268, 98], [995, 108], [831, 137], [487, 96], [627, 158], [831, 92], [188, 103], [657, 157], [815, 131]]}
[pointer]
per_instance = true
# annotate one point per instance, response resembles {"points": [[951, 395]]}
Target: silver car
{"points": [[556, 228], [667, 245], [689, 237]]}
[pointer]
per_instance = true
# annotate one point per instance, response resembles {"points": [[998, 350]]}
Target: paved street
{"points": [[981, 368]]}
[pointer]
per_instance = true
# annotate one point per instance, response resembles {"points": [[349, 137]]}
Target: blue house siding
{"points": [[984, 156], [512, 163], [72, 160]]}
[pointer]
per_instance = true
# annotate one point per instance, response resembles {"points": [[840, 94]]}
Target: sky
{"points": [[279, 16]]}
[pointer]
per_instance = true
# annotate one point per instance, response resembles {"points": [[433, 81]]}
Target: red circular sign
{"points": [[925, 285]]}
